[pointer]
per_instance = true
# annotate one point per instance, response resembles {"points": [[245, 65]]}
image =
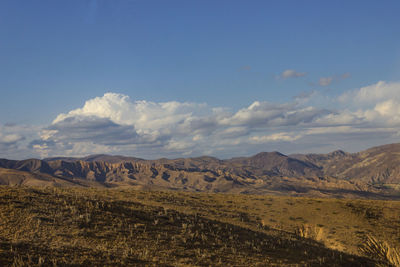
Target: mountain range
{"points": [[373, 173]]}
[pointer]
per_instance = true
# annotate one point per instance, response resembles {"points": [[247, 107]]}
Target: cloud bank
{"points": [[114, 123]]}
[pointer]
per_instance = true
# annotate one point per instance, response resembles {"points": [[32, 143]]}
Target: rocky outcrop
{"points": [[265, 172], [377, 165]]}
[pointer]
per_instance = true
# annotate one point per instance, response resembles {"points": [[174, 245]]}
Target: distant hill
{"points": [[371, 173], [377, 165], [97, 157]]}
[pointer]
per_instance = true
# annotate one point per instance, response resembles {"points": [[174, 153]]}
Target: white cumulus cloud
{"points": [[372, 94], [114, 123]]}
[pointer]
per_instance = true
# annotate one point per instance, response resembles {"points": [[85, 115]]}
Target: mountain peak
{"points": [[263, 171], [269, 155], [337, 153]]}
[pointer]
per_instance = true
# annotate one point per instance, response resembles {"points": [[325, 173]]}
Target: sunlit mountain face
{"points": [[373, 173]]}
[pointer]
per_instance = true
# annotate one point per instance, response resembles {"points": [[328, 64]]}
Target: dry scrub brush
{"points": [[381, 251], [310, 231]]}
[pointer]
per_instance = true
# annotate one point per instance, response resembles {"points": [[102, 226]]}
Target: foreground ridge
{"points": [[80, 227]]}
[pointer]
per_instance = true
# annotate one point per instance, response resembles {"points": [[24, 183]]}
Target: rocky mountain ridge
{"points": [[374, 171]]}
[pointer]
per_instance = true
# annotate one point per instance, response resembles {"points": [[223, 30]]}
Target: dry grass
{"points": [[81, 227], [310, 231], [381, 251]]}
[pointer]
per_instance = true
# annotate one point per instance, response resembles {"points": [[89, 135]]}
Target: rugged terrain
{"points": [[373, 173], [118, 211]]}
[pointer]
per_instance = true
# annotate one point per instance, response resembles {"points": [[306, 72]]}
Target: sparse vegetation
{"points": [[308, 231], [74, 226], [381, 251]]}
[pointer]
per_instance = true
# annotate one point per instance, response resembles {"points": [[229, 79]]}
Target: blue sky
{"points": [[204, 56]]}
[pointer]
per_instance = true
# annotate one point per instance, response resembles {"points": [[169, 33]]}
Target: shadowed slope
{"points": [[91, 227]]}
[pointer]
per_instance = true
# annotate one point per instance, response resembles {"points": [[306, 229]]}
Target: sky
{"points": [[175, 79]]}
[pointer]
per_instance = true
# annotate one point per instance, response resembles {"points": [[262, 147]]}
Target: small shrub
{"points": [[381, 251], [309, 231]]}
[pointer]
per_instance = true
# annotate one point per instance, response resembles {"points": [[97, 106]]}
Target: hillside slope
{"points": [[375, 165], [75, 227], [371, 173]]}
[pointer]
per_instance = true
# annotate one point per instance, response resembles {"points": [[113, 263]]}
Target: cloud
{"points": [[147, 117], [9, 142], [9, 139], [304, 95], [11, 134], [276, 137], [325, 81], [14, 138], [264, 114], [291, 74], [116, 122], [378, 104], [113, 123], [372, 93], [98, 130]]}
